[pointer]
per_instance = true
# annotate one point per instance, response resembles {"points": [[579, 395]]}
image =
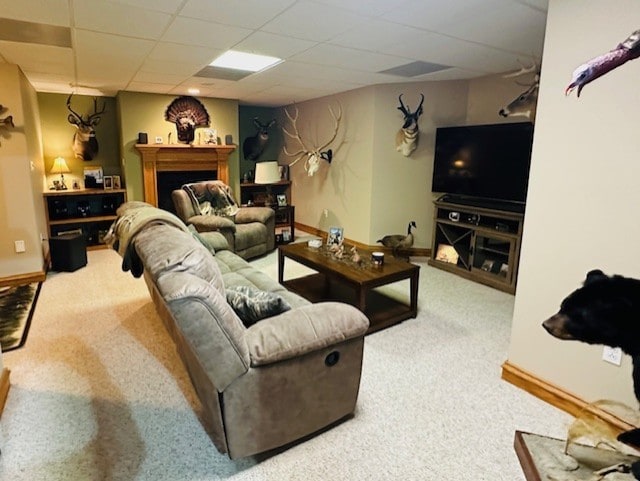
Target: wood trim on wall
{"points": [[21, 279], [557, 397], [414, 251], [4, 388]]}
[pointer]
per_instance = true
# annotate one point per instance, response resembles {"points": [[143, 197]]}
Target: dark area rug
{"points": [[17, 305]]}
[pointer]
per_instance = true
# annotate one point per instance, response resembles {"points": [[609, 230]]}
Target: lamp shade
{"points": [[60, 166], [267, 172]]}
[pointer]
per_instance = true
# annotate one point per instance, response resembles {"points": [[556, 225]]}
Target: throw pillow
{"points": [[251, 304]]}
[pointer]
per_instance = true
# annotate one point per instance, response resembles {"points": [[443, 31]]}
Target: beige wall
{"points": [[144, 112], [582, 209], [370, 189], [21, 174]]}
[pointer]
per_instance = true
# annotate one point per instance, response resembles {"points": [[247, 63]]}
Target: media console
{"points": [[478, 242]]}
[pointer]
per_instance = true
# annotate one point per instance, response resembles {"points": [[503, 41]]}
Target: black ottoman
{"points": [[68, 252]]}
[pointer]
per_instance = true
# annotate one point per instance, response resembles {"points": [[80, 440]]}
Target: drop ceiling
{"points": [[99, 47]]}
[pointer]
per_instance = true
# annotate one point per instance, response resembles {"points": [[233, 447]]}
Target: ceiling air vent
{"points": [[415, 69]]}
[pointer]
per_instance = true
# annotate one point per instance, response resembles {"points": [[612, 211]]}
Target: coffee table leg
{"points": [[414, 293], [280, 267], [361, 293]]}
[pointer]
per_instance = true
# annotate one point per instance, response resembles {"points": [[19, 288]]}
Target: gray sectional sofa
{"points": [[263, 386]]}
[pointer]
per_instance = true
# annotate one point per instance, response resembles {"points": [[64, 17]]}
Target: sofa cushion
{"points": [[252, 305], [164, 249]]}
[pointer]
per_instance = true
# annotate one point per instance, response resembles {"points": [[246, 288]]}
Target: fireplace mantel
{"points": [[181, 157]]}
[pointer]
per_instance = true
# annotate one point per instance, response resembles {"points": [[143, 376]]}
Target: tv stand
{"points": [[503, 205], [477, 242]]}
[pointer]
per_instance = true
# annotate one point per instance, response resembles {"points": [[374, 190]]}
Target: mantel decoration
{"points": [[7, 121], [187, 113]]}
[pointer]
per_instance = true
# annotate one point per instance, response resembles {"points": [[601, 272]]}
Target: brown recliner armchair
{"points": [[248, 231]]}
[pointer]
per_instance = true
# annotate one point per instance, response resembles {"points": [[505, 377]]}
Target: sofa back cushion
{"points": [[165, 249]]}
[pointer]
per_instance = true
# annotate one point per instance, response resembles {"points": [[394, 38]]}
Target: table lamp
{"points": [[267, 173], [60, 167]]}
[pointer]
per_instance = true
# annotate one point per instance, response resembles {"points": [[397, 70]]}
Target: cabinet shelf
{"points": [[89, 211], [477, 243]]}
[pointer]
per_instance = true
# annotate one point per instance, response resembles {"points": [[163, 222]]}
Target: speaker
{"points": [[143, 138], [228, 139], [68, 252]]}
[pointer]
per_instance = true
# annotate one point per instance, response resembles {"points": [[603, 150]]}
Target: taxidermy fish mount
{"points": [[602, 64]]}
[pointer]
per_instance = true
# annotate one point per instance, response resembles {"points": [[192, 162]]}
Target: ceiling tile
{"points": [[157, 77], [149, 87], [372, 8], [189, 31], [52, 12], [366, 36], [111, 17], [111, 47], [334, 55], [175, 52], [166, 6], [38, 58], [275, 45], [247, 14], [312, 21]]}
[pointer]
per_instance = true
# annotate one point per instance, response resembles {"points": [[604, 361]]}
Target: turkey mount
{"points": [[187, 113]]}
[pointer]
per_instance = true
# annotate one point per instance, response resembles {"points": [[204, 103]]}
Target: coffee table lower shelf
{"points": [[381, 310]]}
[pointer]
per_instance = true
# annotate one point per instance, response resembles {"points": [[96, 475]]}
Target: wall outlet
{"points": [[19, 246], [612, 355]]}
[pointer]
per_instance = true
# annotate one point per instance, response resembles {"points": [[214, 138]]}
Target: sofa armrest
{"points": [[302, 330], [254, 214], [208, 223]]}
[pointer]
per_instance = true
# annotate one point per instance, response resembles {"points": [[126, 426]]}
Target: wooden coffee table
{"points": [[345, 281]]}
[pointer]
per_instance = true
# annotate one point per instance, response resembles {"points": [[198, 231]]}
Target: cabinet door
{"points": [[492, 256]]}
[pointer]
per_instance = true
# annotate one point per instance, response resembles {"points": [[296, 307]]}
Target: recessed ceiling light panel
{"points": [[244, 61]]}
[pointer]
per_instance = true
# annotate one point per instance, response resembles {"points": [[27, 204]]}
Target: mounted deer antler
{"points": [[313, 156], [525, 103], [85, 144]]}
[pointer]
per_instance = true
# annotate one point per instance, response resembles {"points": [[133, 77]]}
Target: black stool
{"points": [[68, 252]]}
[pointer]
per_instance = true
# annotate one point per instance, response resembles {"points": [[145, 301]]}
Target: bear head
{"points": [[605, 310]]}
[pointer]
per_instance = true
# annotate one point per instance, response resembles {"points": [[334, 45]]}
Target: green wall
{"points": [[248, 129], [144, 112], [57, 134]]}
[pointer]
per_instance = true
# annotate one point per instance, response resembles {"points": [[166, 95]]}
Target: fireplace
{"points": [[202, 161], [170, 181]]}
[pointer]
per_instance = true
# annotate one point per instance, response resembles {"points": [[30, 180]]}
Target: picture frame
{"points": [[336, 235], [93, 176], [284, 172], [282, 200], [116, 182], [108, 182], [447, 253], [286, 235]]}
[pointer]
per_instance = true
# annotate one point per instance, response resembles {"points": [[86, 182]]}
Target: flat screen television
{"points": [[483, 161]]}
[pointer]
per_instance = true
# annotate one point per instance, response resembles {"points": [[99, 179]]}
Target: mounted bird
{"points": [[399, 241], [602, 64]]}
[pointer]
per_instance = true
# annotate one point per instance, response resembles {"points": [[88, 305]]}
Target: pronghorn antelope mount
{"points": [[525, 103], [407, 136], [252, 147], [312, 155], [85, 144]]}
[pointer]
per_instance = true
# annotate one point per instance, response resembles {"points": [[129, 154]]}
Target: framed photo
{"points": [[116, 182], [336, 235], [282, 200], [447, 253], [284, 172], [93, 176], [210, 136], [108, 182], [286, 235]]}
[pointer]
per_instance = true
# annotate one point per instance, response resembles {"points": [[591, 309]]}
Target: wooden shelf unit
{"points": [[285, 215], [90, 210], [485, 243]]}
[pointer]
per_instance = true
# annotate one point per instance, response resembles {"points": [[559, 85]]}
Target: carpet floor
{"points": [[99, 393]]}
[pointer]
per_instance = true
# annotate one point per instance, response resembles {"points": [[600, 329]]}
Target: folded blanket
{"points": [[132, 218], [211, 198]]}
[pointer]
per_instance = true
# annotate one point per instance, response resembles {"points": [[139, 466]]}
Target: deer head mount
{"points": [[187, 113], [252, 147], [312, 155], [525, 103], [407, 136], [85, 144]]}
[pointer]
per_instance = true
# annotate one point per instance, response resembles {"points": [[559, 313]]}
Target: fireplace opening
{"points": [[169, 181]]}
